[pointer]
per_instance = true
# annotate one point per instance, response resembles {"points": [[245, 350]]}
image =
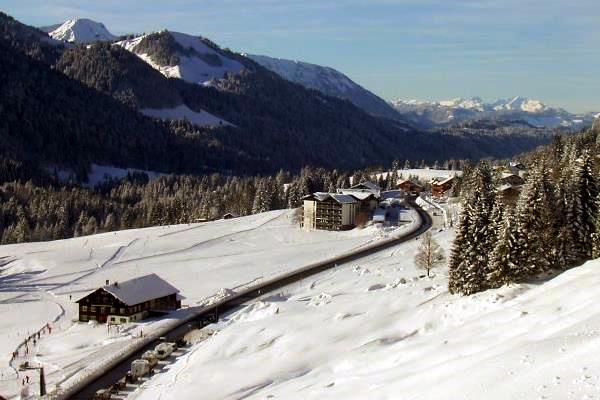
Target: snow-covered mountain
{"points": [[79, 30], [327, 80], [178, 55], [532, 112]]}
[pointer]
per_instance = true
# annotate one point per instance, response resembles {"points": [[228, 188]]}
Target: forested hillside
{"points": [[277, 123]]}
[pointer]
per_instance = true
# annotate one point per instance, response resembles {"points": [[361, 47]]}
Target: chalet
{"points": [[132, 300], [508, 194], [509, 178], [329, 211], [442, 187], [409, 186]]}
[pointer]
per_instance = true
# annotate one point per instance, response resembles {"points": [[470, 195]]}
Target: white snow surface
{"points": [[102, 173], [204, 261], [310, 75], [182, 112], [191, 68], [82, 30], [376, 329], [424, 174]]}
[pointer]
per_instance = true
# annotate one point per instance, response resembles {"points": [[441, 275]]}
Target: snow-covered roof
{"points": [[355, 194], [441, 180], [367, 185], [139, 290], [408, 180], [343, 198], [505, 175], [508, 186], [322, 196]]}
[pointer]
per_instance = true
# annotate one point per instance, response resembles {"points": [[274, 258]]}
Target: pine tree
{"points": [[586, 192], [535, 234], [502, 268], [474, 236]]}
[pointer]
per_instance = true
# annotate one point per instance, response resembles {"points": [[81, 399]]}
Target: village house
{"points": [[409, 186], [508, 194], [509, 178], [441, 187], [128, 301]]}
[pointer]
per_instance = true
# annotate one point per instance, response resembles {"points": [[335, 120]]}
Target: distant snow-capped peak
{"points": [[534, 112], [81, 30], [478, 104]]}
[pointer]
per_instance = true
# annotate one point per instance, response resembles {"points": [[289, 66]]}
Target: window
{"points": [[92, 317], [122, 311], [112, 319], [83, 308], [84, 318], [113, 310], [123, 320], [93, 309]]}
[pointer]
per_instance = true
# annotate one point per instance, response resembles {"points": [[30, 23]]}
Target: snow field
{"points": [[376, 329], [42, 279]]}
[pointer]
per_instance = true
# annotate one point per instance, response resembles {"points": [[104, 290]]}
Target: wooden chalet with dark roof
{"points": [[129, 301]]}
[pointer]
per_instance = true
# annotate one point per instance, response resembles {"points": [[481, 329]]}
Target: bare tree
{"points": [[429, 254]]}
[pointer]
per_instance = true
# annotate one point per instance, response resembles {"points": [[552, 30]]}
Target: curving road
{"points": [[112, 373]]}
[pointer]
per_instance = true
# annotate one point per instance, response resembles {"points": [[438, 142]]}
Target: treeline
{"points": [[555, 224], [41, 209]]}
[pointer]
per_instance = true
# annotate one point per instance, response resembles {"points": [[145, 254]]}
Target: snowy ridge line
{"points": [[90, 381]]}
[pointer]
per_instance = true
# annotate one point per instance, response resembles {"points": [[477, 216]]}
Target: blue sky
{"points": [[421, 49]]}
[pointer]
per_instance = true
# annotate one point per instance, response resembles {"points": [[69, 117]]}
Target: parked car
{"points": [[150, 356], [102, 394], [164, 350], [140, 368]]}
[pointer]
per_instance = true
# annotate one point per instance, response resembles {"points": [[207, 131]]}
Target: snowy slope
{"points": [[183, 112], [376, 330], [328, 81], [533, 112], [197, 63], [199, 259], [80, 30]]}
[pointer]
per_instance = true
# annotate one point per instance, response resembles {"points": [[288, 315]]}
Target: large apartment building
{"points": [[329, 211], [342, 210]]}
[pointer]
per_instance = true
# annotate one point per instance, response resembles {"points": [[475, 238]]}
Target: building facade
{"points": [[129, 301], [329, 211]]}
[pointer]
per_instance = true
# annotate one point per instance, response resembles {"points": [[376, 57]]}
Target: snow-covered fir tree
{"points": [[502, 267], [535, 233], [474, 236], [586, 193]]}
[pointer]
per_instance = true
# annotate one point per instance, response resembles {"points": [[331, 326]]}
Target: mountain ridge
{"points": [[448, 112], [329, 81]]}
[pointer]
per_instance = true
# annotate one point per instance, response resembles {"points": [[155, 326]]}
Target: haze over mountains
{"points": [[456, 111]]}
